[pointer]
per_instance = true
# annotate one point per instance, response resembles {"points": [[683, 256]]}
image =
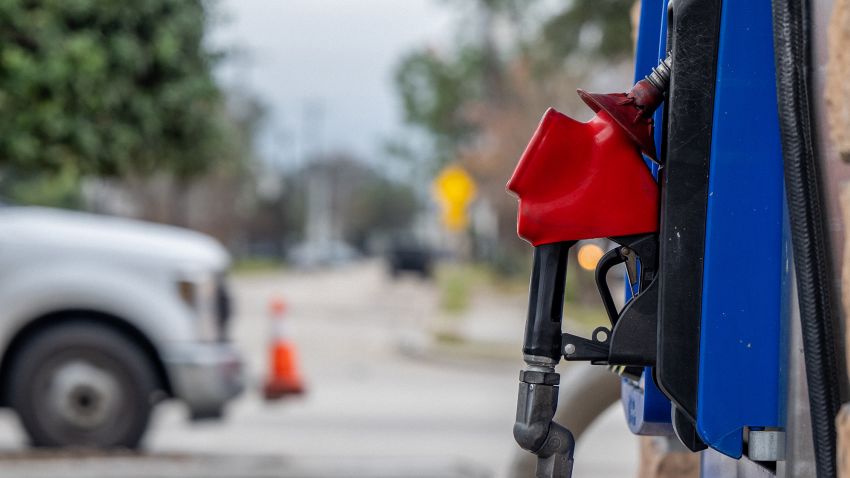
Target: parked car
{"points": [[101, 318], [410, 256]]}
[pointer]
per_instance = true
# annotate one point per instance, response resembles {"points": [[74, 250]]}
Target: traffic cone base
{"points": [[276, 389], [284, 378]]}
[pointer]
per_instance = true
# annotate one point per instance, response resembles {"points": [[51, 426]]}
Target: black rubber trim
{"points": [[803, 185], [690, 112]]}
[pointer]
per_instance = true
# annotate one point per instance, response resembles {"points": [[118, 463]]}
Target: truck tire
{"points": [[82, 384]]}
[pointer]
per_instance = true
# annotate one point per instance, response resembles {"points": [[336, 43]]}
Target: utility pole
{"points": [[319, 220]]}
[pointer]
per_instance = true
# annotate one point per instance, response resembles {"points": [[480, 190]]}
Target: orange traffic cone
{"points": [[283, 378]]}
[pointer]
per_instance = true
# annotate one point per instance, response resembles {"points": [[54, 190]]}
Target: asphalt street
{"points": [[371, 410]]}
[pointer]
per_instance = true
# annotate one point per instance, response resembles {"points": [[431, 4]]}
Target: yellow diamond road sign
{"points": [[454, 189]]}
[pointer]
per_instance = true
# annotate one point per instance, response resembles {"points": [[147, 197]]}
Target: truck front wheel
{"points": [[82, 384]]}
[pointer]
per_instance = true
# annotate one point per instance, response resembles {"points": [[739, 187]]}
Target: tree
{"points": [[477, 103], [438, 89], [434, 91], [216, 201], [96, 87], [598, 29]]}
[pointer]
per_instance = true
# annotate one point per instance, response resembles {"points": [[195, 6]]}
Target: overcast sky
{"points": [[332, 57]]}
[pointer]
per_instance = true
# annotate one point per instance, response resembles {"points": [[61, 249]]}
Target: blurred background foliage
{"points": [[114, 107], [478, 101], [439, 88], [108, 88]]}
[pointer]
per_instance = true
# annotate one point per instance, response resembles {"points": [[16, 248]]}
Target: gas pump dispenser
{"points": [[565, 181], [686, 173]]}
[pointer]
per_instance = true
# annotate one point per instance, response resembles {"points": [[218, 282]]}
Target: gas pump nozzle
{"points": [[566, 181], [535, 429]]}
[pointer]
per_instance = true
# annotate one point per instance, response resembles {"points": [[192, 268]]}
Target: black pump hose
{"points": [[791, 25]]}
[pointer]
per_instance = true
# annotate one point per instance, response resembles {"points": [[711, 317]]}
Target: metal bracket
{"points": [[767, 445], [631, 341]]}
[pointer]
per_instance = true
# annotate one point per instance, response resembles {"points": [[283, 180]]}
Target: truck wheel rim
{"points": [[83, 394]]}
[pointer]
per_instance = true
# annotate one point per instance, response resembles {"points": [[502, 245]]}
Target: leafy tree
{"points": [[592, 28], [433, 91], [56, 190], [477, 103], [437, 89], [107, 88]]}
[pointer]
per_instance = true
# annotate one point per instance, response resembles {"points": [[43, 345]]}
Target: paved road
{"points": [[371, 411]]}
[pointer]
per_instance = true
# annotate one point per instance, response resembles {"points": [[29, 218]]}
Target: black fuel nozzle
{"points": [[546, 301], [629, 343], [534, 429]]}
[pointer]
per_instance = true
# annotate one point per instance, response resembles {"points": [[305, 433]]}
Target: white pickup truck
{"points": [[101, 318]]}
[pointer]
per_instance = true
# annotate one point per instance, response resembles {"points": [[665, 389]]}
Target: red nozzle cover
{"points": [[582, 181]]}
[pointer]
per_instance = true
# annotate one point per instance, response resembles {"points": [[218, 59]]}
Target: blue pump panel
{"points": [[647, 409], [744, 273]]}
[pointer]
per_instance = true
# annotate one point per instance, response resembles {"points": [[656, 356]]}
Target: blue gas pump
{"points": [[722, 123]]}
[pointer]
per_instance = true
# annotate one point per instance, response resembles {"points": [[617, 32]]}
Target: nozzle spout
{"points": [[535, 430]]}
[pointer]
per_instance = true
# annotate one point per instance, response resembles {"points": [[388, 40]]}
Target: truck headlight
{"points": [[199, 294]]}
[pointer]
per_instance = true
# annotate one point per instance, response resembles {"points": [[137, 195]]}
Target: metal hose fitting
{"points": [[660, 75]]}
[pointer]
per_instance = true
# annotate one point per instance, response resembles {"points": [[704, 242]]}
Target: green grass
{"points": [[457, 283], [448, 338], [587, 316], [257, 265]]}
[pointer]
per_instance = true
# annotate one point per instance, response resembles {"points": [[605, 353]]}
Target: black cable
{"points": [[791, 24]]}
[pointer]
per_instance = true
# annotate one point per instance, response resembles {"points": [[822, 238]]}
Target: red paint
{"points": [[582, 181]]}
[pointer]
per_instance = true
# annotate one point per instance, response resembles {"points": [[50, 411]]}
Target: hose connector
{"points": [[535, 430], [660, 75]]}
